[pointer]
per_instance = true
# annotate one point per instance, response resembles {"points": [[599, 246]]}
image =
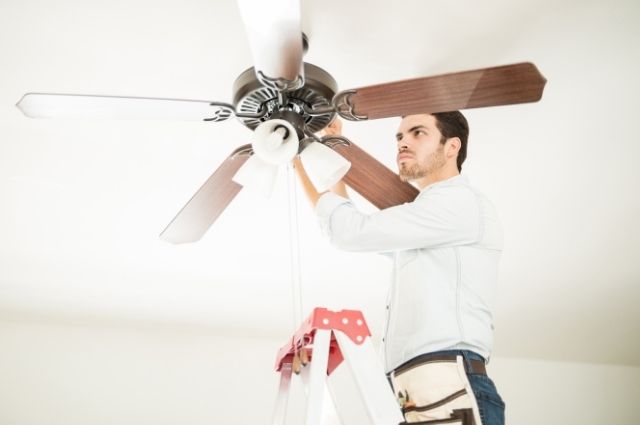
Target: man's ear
{"points": [[452, 147]]}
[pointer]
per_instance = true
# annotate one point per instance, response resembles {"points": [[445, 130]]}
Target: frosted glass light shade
{"points": [[270, 145], [257, 176], [324, 166]]}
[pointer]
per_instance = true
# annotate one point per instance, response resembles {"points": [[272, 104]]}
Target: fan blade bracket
{"points": [[343, 105], [316, 111], [223, 112], [280, 84], [226, 110], [244, 150], [334, 141]]}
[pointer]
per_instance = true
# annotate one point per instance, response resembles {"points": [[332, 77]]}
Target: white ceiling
{"points": [[84, 201]]}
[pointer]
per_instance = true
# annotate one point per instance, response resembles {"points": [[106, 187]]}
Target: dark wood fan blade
{"points": [[202, 210], [374, 181], [502, 85]]}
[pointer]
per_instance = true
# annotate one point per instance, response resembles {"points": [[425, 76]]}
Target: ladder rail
{"points": [[371, 381], [332, 339], [283, 395]]}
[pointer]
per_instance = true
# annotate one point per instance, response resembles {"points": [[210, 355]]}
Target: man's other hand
{"points": [[333, 129]]}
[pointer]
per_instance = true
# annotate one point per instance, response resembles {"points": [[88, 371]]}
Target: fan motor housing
{"points": [[250, 96]]}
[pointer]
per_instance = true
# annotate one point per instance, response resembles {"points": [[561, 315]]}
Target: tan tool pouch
{"points": [[436, 392]]}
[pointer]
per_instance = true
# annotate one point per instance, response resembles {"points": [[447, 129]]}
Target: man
{"points": [[445, 246]]}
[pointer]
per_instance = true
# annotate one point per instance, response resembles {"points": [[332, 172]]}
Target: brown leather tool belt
{"points": [[470, 366]]}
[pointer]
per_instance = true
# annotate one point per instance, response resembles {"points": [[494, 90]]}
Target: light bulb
{"points": [[275, 139], [275, 142]]}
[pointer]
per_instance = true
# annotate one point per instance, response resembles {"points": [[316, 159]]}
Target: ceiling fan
{"points": [[287, 95]]}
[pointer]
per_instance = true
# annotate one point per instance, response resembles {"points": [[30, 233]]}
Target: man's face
{"points": [[420, 152]]}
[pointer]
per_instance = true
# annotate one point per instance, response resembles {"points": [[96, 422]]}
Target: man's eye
{"points": [[419, 132]]}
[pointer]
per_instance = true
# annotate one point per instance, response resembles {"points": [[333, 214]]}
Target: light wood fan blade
{"points": [[502, 85], [275, 37], [202, 210], [373, 180], [74, 106]]}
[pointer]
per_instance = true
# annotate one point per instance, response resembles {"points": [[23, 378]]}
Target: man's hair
{"points": [[454, 124]]}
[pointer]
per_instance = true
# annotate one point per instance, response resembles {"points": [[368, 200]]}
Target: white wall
{"points": [[72, 374], [95, 375], [544, 392]]}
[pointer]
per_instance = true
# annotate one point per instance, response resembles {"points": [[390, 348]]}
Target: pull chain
{"points": [[294, 248]]}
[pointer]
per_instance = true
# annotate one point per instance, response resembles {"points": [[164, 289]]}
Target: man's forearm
{"points": [[310, 191]]}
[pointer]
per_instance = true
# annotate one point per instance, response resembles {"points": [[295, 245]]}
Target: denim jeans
{"points": [[489, 401]]}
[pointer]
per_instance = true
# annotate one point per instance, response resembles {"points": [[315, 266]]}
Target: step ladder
{"points": [[327, 344]]}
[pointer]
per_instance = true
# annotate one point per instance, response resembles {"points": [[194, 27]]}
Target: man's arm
{"points": [[442, 217], [312, 194]]}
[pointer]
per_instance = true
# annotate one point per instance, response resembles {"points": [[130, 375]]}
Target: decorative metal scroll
{"points": [[280, 84], [332, 141], [344, 107], [226, 110]]}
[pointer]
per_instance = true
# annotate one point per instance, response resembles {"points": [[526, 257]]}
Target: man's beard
{"points": [[416, 171]]}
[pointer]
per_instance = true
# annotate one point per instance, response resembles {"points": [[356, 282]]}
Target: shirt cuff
{"points": [[327, 203]]}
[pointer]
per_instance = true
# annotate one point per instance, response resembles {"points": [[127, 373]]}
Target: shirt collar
{"points": [[460, 179]]}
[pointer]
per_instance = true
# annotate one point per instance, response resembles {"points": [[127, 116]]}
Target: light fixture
{"points": [[275, 142], [257, 176], [324, 166]]}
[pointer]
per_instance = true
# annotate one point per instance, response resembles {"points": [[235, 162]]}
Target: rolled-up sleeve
{"points": [[440, 217]]}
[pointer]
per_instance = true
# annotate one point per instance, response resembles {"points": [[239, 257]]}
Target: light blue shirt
{"points": [[445, 246]]}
